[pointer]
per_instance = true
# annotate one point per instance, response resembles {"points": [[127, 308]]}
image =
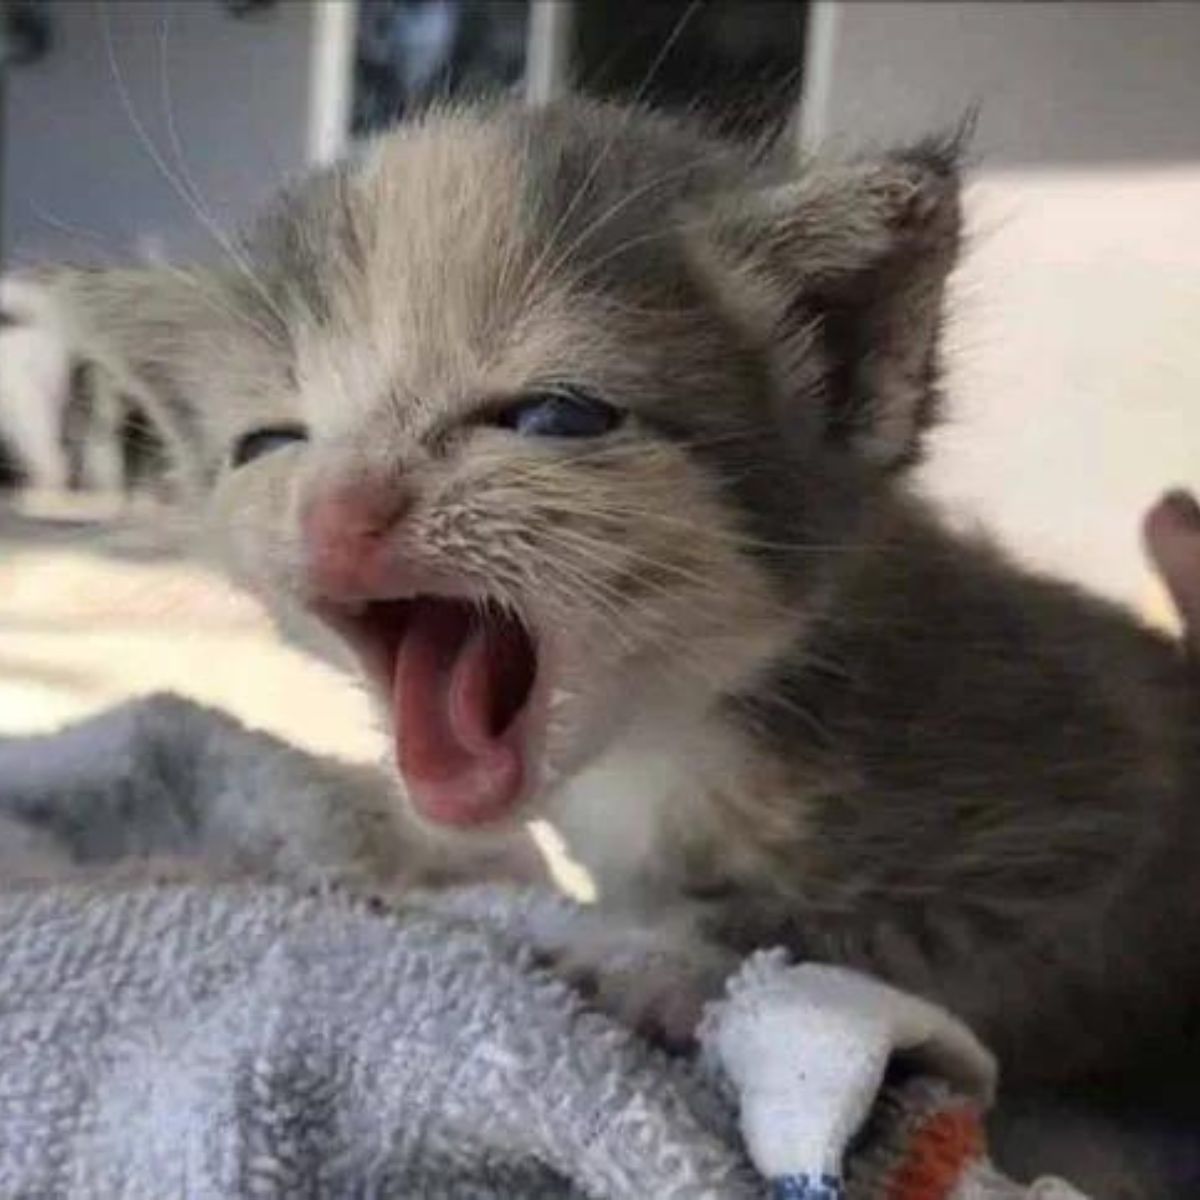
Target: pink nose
{"points": [[346, 530]]}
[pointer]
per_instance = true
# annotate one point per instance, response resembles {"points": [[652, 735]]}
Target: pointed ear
{"points": [[845, 269]]}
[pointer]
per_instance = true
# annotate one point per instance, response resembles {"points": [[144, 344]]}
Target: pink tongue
{"points": [[449, 672]]}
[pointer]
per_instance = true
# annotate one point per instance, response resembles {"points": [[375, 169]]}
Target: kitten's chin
{"points": [[465, 696]]}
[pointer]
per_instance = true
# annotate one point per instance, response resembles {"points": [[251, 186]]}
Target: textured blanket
{"points": [[271, 1039]]}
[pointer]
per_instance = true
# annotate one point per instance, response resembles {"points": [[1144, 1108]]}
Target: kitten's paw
{"points": [[654, 983]]}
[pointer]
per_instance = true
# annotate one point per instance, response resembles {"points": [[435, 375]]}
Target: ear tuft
{"points": [[944, 154], [912, 199]]}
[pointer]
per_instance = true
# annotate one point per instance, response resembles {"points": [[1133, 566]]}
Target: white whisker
{"points": [[561, 224], [148, 144]]}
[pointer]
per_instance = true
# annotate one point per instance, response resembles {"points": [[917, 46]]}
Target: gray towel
{"points": [[240, 1041], [266, 1039]]}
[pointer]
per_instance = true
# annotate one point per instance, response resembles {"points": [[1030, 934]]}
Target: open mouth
{"points": [[460, 676]]}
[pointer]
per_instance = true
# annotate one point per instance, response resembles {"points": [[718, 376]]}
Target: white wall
{"points": [[78, 181], [1075, 342], [1075, 368]]}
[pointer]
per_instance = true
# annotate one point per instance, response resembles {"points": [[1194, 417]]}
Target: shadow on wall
{"points": [[1061, 84]]}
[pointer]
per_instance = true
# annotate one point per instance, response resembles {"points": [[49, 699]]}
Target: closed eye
{"points": [[559, 413], [262, 441]]}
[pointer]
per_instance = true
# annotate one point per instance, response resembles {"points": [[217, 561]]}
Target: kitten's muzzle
{"points": [[458, 672], [347, 534]]}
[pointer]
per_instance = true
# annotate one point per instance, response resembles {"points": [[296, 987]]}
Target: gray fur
{"points": [[794, 707]]}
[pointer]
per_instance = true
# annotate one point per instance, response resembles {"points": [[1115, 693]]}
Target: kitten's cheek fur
{"points": [[255, 530], [252, 529]]}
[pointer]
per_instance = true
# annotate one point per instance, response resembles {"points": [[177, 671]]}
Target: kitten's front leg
{"points": [[654, 976]]}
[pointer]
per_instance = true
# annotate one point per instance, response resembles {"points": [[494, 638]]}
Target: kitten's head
{"points": [[557, 420]]}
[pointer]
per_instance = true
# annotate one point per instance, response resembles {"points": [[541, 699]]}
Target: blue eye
{"points": [[262, 441], [560, 414]]}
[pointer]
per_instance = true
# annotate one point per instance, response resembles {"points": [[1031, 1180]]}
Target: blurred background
{"points": [[148, 129]]}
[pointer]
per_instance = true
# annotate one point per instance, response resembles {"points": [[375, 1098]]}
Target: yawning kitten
{"points": [[585, 435]]}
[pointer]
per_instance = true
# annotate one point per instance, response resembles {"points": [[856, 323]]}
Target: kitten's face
{"points": [[509, 502], [550, 420]]}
